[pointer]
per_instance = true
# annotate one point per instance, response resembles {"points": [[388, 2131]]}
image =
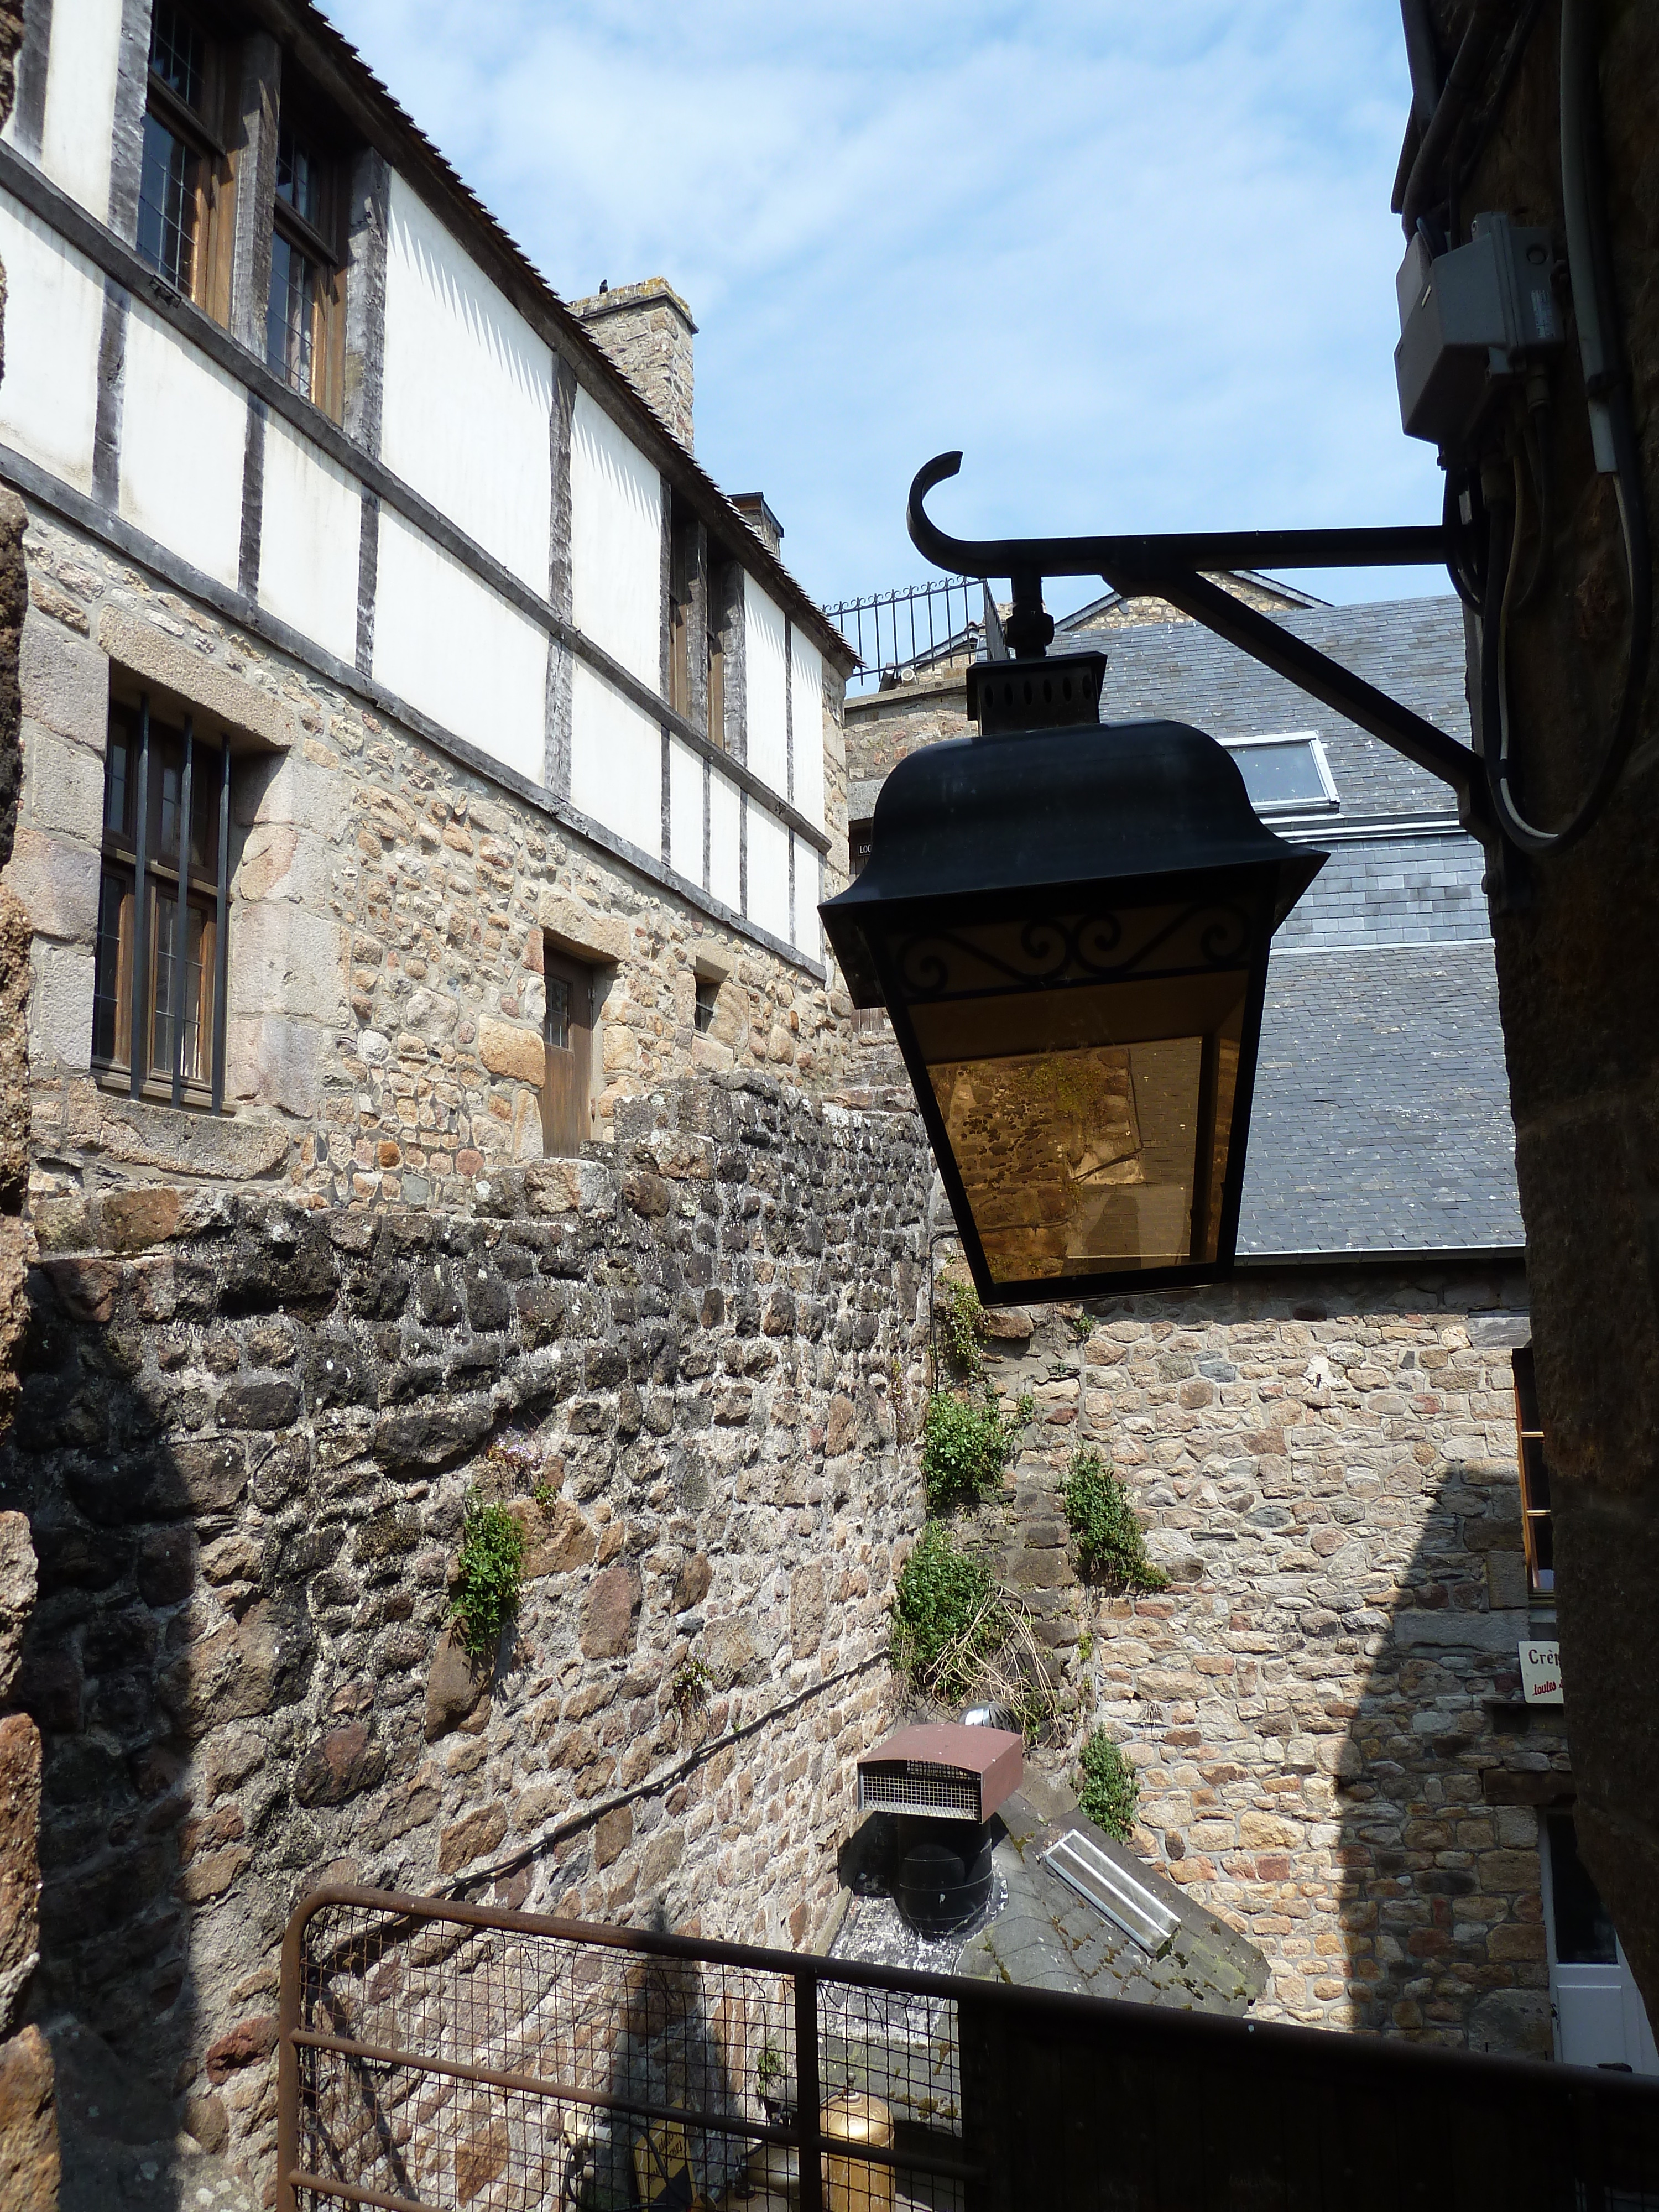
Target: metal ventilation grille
{"points": [[1114, 1891], [914, 1786]]}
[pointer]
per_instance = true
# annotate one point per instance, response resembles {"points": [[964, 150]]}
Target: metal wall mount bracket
{"points": [[1178, 567]]}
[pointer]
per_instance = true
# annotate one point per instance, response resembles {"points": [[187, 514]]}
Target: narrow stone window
{"points": [[568, 1090], [304, 323], [1536, 1522], [708, 991], [184, 226], [160, 972]]}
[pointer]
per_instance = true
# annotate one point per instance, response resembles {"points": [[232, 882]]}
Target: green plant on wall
{"points": [[1110, 1539], [947, 1615], [688, 1686], [965, 1445], [960, 1318], [1108, 1788], [488, 1576]]}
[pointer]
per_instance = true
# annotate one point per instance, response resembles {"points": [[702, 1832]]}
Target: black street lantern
{"points": [[1069, 923]]}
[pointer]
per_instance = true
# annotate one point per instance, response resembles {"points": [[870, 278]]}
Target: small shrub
{"points": [[1110, 1539], [688, 1686], [960, 1316], [947, 1616], [1108, 1788], [965, 1445], [489, 1576]]}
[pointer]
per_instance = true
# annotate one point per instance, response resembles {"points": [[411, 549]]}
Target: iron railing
{"points": [[916, 628], [435, 2055]]}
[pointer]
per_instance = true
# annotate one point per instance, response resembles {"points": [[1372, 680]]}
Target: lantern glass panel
{"points": [[1089, 1127]]}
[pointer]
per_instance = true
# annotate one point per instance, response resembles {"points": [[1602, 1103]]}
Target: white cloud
{"points": [[1137, 262]]}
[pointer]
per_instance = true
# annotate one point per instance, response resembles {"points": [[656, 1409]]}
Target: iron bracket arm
{"points": [[1167, 567]]}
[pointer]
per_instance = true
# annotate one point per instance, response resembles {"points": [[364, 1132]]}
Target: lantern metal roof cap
{"points": [[1041, 810]]}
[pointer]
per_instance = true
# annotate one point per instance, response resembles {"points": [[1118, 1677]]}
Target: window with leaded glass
{"points": [[304, 288], [184, 166], [159, 981]]}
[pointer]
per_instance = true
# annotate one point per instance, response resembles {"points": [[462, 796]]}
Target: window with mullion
{"points": [[301, 280], [139, 910], [167, 205]]}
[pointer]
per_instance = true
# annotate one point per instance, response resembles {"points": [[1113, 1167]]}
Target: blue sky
{"points": [[1136, 260]]}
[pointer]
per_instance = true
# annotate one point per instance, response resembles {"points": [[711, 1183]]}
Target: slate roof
{"points": [[1381, 1115]]}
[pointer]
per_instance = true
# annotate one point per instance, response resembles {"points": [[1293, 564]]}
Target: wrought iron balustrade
{"points": [[923, 626]]}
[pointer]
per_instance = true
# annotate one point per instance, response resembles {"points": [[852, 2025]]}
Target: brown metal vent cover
{"points": [[943, 1773]]}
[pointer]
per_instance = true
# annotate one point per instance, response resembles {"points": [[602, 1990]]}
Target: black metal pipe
{"points": [[137, 1027], [181, 918], [1486, 19], [1172, 553], [1422, 58], [221, 932]]}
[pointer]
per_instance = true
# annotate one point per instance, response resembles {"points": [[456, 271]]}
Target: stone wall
{"points": [[245, 1444], [1324, 1707], [390, 910], [647, 329], [1580, 1005]]}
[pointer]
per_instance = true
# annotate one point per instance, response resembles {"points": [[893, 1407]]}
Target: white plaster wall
{"points": [[455, 649], [769, 873], [616, 762], [184, 434], [616, 542], [806, 712], [310, 527], [468, 394], [79, 123], [725, 840], [54, 317], [764, 677], [808, 934], [684, 810]]}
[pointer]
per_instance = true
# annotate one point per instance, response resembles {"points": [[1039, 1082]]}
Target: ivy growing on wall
{"points": [[1108, 1788], [947, 1615], [965, 1445], [488, 1576], [1110, 1539]]}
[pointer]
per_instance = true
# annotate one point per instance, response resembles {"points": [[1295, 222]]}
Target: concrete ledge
{"points": [[145, 650]]}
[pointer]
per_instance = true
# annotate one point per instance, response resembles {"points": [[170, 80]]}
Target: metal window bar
{"points": [[433, 2055], [917, 627], [138, 1027], [179, 977]]}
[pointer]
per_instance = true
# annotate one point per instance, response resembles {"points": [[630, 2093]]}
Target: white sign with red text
{"points": [[1540, 1673]]}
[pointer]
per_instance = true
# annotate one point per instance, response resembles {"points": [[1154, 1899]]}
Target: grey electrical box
{"points": [[1468, 319]]}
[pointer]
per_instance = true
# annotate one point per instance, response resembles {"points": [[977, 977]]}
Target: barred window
{"points": [[158, 985]]}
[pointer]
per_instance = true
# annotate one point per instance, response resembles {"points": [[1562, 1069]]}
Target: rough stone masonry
{"points": [[691, 1367]]}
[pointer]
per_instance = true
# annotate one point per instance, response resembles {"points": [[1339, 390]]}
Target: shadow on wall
{"points": [[1441, 1783]]}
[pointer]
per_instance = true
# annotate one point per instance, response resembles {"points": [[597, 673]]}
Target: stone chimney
{"points": [[647, 329], [751, 506]]}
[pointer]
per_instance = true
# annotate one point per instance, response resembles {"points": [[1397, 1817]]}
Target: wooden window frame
{"points": [[319, 244], [569, 1084], [680, 566], [201, 131], [1537, 1518], [148, 885]]}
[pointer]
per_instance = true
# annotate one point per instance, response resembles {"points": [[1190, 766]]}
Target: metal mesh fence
{"points": [[441, 2062], [437, 2057]]}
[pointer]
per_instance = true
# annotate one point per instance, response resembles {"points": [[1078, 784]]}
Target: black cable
{"points": [[1467, 565], [1607, 389]]}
